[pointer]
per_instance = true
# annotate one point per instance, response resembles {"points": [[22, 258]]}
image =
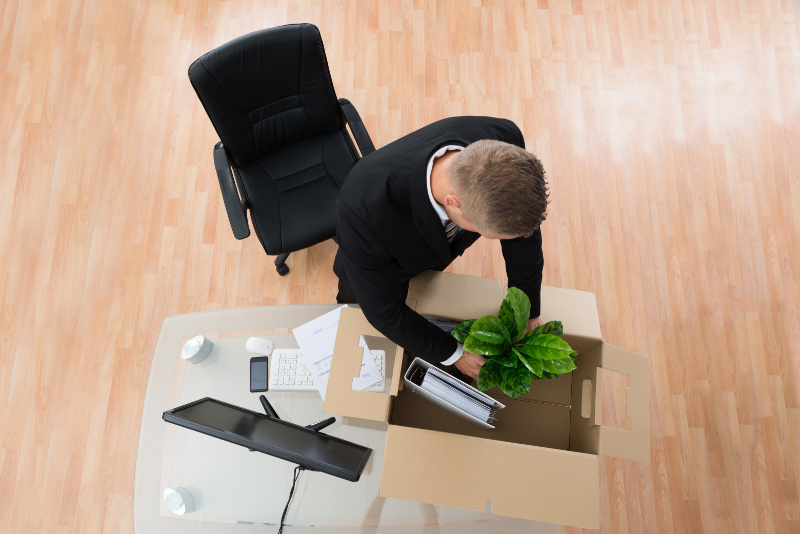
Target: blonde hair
{"points": [[501, 188]]}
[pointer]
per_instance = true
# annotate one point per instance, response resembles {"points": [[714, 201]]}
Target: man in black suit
{"points": [[396, 216]]}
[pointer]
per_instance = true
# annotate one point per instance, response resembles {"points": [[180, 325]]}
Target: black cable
{"points": [[297, 471]]}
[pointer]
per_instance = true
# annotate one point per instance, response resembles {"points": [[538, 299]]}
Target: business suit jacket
{"points": [[388, 232]]}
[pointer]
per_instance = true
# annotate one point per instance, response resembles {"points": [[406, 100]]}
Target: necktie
{"points": [[450, 230]]}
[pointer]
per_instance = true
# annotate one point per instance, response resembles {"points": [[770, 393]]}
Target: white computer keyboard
{"points": [[288, 371]]}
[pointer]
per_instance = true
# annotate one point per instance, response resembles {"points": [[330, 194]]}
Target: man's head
{"points": [[499, 190]]}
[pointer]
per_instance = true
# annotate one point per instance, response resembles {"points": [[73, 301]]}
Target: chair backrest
{"points": [[267, 89]]}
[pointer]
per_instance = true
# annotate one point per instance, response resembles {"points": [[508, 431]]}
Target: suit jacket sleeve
{"points": [[376, 283], [525, 259], [524, 264]]}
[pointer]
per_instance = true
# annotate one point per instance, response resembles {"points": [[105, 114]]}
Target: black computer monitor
{"points": [[290, 442]]}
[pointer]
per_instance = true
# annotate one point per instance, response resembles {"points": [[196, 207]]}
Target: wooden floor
{"points": [[670, 132]]}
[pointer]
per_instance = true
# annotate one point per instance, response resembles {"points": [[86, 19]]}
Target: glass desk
{"points": [[237, 491]]}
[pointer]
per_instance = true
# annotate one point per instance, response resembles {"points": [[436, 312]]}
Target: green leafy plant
{"points": [[514, 358]]}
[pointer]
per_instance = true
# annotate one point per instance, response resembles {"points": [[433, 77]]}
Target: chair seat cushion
{"points": [[292, 191]]}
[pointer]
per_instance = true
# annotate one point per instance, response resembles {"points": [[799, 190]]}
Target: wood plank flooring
{"points": [[670, 132]]}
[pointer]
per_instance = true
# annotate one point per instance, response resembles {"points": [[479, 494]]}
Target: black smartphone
{"points": [[259, 374]]}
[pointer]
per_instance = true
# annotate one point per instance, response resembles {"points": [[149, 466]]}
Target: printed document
{"points": [[316, 339]]}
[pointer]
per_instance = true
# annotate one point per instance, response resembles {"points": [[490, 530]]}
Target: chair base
{"points": [[280, 264]]}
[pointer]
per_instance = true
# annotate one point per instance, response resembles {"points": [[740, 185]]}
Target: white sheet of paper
{"points": [[370, 374], [316, 339]]}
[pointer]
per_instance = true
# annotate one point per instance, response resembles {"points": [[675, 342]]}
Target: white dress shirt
{"points": [[443, 216]]}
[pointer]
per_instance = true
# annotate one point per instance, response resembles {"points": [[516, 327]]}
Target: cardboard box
{"points": [[541, 460]]}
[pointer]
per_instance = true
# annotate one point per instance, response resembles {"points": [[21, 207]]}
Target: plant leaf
{"points": [[516, 305], [545, 347], [526, 383], [549, 366], [507, 360], [490, 330], [533, 364], [558, 367], [461, 331], [509, 322], [489, 375], [546, 376], [554, 328], [564, 365], [476, 346], [515, 380]]}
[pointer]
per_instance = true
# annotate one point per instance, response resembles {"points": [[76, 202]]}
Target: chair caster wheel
{"points": [[283, 269]]}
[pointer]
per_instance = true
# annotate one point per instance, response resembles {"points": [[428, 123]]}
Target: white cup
{"points": [[196, 349], [179, 501]]}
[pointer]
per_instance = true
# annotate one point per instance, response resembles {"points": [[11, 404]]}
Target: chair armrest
{"points": [[230, 195], [357, 127]]}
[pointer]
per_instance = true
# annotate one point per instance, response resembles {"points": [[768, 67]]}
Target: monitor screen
{"points": [[294, 443]]}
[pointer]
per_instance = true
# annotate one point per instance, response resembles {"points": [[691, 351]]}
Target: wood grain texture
{"points": [[670, 134]]}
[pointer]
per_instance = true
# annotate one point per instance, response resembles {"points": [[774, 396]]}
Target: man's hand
{"points": [[533, 323], [470, 364]]}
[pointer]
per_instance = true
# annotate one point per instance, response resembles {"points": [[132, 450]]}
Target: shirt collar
{"points": [[440, 211]]}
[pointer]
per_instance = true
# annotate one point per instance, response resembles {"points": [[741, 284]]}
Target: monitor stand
{"points": [[316, 427]]}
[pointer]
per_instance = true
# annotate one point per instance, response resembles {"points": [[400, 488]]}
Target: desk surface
{"points": [[240, 491]]}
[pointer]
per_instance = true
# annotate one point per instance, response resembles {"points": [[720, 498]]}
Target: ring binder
{"points": [[457, 398], [451, 393]]}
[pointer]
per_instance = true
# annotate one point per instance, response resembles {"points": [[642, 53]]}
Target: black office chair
{"points": [[283, 133]]}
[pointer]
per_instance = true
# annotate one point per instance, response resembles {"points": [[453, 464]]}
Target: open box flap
{"points": [[633, 444], [340, 397], [443, 295], [587, 433], [577, 310], [520, 481]]}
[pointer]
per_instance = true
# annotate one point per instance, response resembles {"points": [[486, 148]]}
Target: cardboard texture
{"points": [[518, 480], [541, 460], [445, 297], [528, 423], [633, 445], [558, 391], [340, 397]]}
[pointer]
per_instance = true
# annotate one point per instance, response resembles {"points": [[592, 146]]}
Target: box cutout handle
{"points": [[604, 399], [586, 399]]}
